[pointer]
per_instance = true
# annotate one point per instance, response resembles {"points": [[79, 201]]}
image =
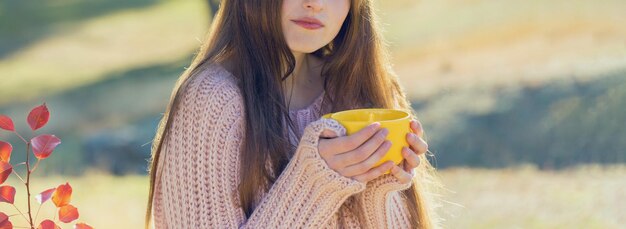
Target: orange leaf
{"points": [[38, 117], [82, 226], [68, 213], [45, 195], [6, 123], [7, 194], [62, 195], [48, 224], [44, 144], [5, 151], [5, 171], [4, 221]]}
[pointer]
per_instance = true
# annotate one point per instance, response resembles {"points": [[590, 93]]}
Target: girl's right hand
{"points": [[354, 156]]}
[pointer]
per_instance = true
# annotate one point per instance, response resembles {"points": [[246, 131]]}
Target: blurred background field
{"points": [[523, 102], [518, 197]]}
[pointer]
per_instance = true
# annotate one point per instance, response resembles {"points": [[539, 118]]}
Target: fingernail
{"points": [[375, 125], [385, 131]]}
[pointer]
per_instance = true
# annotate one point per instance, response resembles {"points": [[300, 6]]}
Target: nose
{"points": [[315, 5]]}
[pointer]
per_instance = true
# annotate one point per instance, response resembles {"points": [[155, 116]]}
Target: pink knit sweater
{"points": [[197, 177]]}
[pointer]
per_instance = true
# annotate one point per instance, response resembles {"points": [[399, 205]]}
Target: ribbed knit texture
{"points": [[197, 176]]}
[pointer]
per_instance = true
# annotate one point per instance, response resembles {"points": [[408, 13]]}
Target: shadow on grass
{"points": [[553, 126], [108, 124]]}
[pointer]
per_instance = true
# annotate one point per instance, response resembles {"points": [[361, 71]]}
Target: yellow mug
{"points": [[396, 121]]}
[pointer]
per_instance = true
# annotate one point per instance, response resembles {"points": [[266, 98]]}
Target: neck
{"points": [[304, 83], [301, 71]]}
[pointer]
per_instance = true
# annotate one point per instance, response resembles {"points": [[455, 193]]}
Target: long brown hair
{"points": [[249, 34]]}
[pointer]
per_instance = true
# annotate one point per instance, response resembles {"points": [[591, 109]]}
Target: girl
{"points": [[242, 144]]}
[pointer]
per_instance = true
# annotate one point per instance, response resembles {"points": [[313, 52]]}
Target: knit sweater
{"points": [[197, 175]]}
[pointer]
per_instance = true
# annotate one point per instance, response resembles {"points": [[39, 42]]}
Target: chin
{"points": [[309, 50], [306, 48]]}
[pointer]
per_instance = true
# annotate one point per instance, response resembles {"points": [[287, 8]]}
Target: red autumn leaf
{"points": [[6, 123], [82, 226], [44, 144], [62, 195], [5, 171], [4, 221], [48, 224], [5, 151], [45, 195], [7, 225], [38, 117], [68, 213], [7, 194]]}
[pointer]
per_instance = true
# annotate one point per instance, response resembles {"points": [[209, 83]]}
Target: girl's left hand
{"points": [[404, 172]]}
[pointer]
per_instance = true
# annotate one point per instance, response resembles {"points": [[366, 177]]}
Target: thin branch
{"points": [[18, 176], [35, 167], [30, 215], [18, 210], [38, 212], [24, 140]]}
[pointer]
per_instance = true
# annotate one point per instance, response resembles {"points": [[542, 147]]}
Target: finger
{"points": [[367, 164], [416, 126], [351, 142], [364, 151], [406, 168], [402, 176], [374, 172], [411, 158], [417, 144]]}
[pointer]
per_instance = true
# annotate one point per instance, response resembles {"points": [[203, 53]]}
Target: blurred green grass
{"points": [[465, 63], [517, 197], [24, 22], [101, 37], [89, 50], [495, 82], [103, 201], [525, 197]]}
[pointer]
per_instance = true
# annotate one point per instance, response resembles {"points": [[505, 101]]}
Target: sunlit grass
{"points": [[523, 197], [103, 201], [485, 44]]}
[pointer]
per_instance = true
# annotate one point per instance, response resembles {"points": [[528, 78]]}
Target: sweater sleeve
{"points": [[383, 205], [198, 186], [385, 191]]}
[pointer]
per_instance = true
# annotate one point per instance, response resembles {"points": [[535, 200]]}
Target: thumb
{"points": [[328, 134]]}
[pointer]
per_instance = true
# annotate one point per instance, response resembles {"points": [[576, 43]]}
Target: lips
{"points": [[308, 23]]}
